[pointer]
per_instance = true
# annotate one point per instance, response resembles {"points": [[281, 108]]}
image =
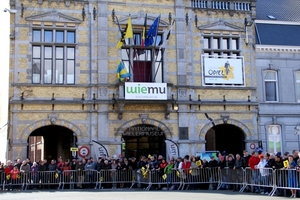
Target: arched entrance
{"points": [[51, 142], [225, 137], [142, 140]]}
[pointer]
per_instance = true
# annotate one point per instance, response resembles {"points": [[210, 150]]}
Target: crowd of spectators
{"points": [[121, 170]]}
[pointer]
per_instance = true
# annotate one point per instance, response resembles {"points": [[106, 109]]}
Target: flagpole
{"points": [[160, 47], [128, 53], [153, 48]]}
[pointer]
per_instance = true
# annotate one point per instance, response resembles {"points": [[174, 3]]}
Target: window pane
{"points": [[234, 44], [48, 36], [59, 52], [36, 36], [298, 91], [59, 36], [36, 52], [270, 75], [215, 43], [158, 40], [206, 43], [270, 91], [298, 76], [59, 72], [70, 37], [70, 72], [225, 43], [47, 71], [36, 70], [137, 39], [70, 53], [48, 52]]}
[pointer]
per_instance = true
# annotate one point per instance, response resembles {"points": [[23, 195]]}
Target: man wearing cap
{"points": [[278, 165]]}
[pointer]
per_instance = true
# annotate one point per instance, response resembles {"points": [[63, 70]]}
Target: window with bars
{"points": [[271, 85], [53, 56], [221, 5], [221, 46], [144, 64]]}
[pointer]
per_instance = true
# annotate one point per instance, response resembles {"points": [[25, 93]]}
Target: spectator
{"points": [[79, 173], [292, 176], [253, 161], [263, 174]]}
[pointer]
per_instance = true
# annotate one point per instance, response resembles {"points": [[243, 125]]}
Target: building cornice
{"points": [[277, 48]]}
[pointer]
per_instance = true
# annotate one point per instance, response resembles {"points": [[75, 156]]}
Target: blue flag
{"points": [[122, 72], [152, 32]]}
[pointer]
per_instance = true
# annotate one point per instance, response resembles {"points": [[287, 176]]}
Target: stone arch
{"points": [[148, 121], [209, 125], [46, 122]]}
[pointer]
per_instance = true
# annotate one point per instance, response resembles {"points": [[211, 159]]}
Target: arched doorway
{"points": [[142, 140], [51, 142], [225, 137]]}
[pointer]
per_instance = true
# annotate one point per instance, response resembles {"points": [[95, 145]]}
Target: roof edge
{"points": [[258, 21]]}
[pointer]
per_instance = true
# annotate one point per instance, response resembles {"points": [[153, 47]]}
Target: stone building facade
{"points": [[63, 84]]}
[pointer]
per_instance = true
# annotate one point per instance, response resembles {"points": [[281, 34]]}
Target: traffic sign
{"points": [[83, 151], [73, 149]]}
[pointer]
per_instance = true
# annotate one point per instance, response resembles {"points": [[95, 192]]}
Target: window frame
{"points": [[56, 78], [297, 81], [271, 81]]}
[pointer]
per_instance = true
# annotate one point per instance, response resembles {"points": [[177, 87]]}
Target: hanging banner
{"points": [[145, 91], [223, 70], [99, 149], [172, 149]]}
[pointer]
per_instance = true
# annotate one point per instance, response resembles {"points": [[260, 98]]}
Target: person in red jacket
{"points": [[253, 161]]}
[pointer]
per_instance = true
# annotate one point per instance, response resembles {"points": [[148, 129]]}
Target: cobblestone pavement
{"points": [[130, 195]]}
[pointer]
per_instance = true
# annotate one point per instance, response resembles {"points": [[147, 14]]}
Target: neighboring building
{"points": [[278, 72], [64, 91]]}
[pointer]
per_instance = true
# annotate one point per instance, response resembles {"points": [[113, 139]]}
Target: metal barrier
{"points": [[285, 179], [261, 180], [113, 178], [232, 179], [195, 177], [264, 180]]}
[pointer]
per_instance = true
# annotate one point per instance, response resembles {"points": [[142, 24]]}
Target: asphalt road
{"points": [[131, 195]]}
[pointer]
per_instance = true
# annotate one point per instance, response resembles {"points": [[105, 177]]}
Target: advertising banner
{"points": [[223, 70], [145, 91]]}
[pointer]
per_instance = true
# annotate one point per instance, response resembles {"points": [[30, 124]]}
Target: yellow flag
{"points": [[18, 176], [286, 163], [128, 33], [101, 179], [198, 163], [164, 176], [149, 156], [8, 177], [56, 175], [190, 171], [178, 173]]}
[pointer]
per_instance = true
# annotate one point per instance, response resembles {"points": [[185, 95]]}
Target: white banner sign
{"points": [[223, 71], [146, 91], [172, 149]]}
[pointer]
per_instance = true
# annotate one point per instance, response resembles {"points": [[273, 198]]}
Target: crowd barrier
{"points": [[264, 180]]}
